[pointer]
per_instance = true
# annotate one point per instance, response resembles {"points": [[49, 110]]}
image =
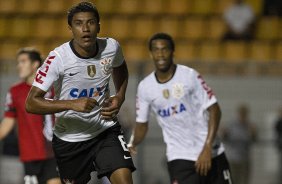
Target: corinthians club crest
{"points": [[91, 70], [178, 90], [106, 66], [166, 93]]}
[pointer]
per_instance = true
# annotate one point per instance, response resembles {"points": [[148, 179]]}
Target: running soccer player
{"points": [[87, 135], [35, 150], [189, 115]]}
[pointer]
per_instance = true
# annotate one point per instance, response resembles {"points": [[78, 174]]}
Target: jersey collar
{"points": [[168, 79], [78, 55]]}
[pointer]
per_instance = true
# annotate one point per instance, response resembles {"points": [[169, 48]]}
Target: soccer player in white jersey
{"points": [[87, 135], [189, 115]]}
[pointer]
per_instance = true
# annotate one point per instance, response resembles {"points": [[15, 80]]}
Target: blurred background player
{"points": [[239, 136], [189, 115], [35, 150], [87, 134]]}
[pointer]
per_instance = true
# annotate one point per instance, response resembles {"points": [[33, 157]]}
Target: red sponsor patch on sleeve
{"points": [[42, 73], [206, 87]]}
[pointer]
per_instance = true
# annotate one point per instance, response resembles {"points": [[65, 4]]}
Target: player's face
{"points": [[25, 66], [84, 27], [162, 54]]}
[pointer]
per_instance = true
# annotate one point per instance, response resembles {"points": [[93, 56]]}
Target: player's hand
{"points": [[132, 149], [84, 104], [203, 164], [111, 107]]}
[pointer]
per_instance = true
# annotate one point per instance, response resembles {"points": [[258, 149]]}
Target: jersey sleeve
{"points": [[202, 91], [49, 72], [142, 105], [10, 109], [118, 59]]}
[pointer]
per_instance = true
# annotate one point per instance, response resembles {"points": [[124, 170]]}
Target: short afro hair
{"points": [[162, 36], [83, 7]]}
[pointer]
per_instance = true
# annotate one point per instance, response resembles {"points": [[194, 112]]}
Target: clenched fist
{"points": [[84, 104]]}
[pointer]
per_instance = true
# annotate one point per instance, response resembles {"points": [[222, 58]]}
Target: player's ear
{"points": [[98, 31], [36, 64], [151, 55], [70, 29]]}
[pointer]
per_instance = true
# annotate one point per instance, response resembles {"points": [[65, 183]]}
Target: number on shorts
{"points": [[122, 142], [30, 179], [227, 176]]}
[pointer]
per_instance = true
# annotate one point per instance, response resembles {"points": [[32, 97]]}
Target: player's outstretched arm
{"points": [[214, 119], [203, 164], [138, 136], [6, 126], [37, 104]]}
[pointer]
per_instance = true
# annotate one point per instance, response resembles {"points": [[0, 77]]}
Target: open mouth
{"points": [[161, 62], [86, 37]]}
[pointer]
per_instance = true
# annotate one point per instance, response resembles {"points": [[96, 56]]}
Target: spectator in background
{"points": [[278, 132], [239, 19], [239, 136]]}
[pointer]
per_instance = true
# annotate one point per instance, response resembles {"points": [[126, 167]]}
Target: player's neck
{"points": [[84, 53], [163, 77], [29, 80]]}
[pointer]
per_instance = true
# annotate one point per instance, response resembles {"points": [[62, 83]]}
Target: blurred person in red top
{"points": [[34, 131]]}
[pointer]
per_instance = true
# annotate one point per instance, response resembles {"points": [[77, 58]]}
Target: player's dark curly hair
{"points": [[33, 54], [162, 36], [83, 7]]}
